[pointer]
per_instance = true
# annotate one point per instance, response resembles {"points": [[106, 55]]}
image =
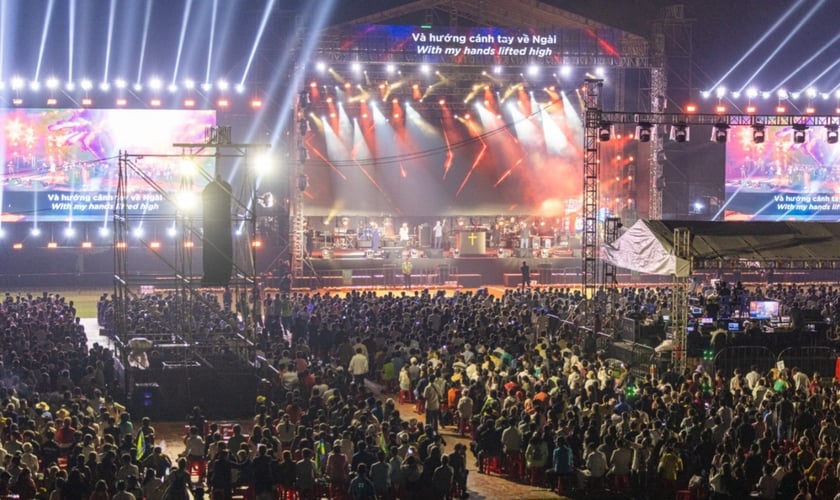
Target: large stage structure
{"points": [[183, 350]]}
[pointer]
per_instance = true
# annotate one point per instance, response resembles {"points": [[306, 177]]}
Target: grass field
{"points": [[84, 300]]}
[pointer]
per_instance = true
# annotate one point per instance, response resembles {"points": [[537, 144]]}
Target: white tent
{"points": [[640, 249]]}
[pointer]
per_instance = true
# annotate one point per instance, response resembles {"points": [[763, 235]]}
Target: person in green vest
{"points": [[407, 266]]}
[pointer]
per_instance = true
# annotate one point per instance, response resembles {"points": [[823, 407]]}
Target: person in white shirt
{"points": [[358, 367]]}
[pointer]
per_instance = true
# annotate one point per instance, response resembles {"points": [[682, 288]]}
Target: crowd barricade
{"points": [[744, 357], [810, 359]]}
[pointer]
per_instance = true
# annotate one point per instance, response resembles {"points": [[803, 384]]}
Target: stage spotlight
{"points": [[680, 132], [35, 231], [172, 232], [565, 71], [52, 83], [644, 131], [172, 88], [34, 85], [104, 86], [321, 66], [811, 93], [138, 232], [831, 133], [799, 133], [155, 83], [720, 92], [497, 70], [356, 67], [720, 133], [120, 83], [207, 86], [2, 233], [752, 92], [604, 131], [189, 84], [782, 94], [240, 88], [138, 87], [86, 84], [69, 231], [390, 68], [103, 231], [223, 85], [758, 134], [17, 83]]}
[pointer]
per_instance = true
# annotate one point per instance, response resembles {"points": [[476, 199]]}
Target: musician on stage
{"points": [[405, 235], [437, 231]]}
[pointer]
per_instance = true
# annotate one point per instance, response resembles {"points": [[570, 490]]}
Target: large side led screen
{"points": [[62, 164], [780, 178]]}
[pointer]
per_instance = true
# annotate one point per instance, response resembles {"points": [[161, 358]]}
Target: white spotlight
{"points": [[425, 69], [172, 88], [736, 94], [720, 92], [17, 83], [240, 88], [70, 86], [533, 70], [172, 231], [120, 83], [766, 94], [565, 71], [2, 233], [86, 84], [103, 231], [104, 86], [189, 84], [223, 85], [207, 86], [705, 94], [497, 70], [321, 66], [782, 94], [794, 95], [600, 72], [356, 67], [52, 83], [138, 87], [34, 85], [390, 68], [155, 83], [69, 231], [752, 92], [35, 231], [811, 93], [138, 232]]}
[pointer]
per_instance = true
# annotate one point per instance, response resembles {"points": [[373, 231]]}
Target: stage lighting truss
{"points": [[758, 134], [831, 133], [644, 131], [800, 131], [680, 132], [720, 133], [605, 131]]}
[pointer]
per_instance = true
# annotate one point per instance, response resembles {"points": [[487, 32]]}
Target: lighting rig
{"points": [[598, 125]]}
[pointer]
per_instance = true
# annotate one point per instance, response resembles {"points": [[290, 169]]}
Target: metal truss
{"points": [[679, 298], [591, 173]]}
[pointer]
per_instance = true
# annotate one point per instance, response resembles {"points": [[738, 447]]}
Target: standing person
{"points": [[526, 274], [438, 233], [432, 397], [358, 367], [524, 236], [407, 267], [404, 235]]}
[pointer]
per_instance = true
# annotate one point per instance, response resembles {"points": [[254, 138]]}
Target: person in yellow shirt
{"points": [[670, 466]]}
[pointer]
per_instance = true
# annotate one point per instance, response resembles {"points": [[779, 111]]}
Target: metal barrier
{"points": [[743, 357], [810, 360]]}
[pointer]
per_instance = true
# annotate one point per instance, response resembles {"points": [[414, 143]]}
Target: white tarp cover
{"points": [[638, 249]]}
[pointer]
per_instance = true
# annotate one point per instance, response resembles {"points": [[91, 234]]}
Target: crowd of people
{"points": [[511, 376]]}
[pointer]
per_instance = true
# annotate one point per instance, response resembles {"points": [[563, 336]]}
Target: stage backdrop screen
{"points": [[779, 179], [62, 164]]}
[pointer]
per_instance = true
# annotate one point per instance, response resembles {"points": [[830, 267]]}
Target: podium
{"points": [[471, 242]]}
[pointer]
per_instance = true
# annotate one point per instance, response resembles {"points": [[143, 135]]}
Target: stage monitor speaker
{"points": [[218, 239]]}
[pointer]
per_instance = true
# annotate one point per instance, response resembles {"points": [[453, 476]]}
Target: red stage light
{"points": [[810, 110], [256, 103], [691, 108], [256, 243], [189, 244], [442, 102], [87, 244], [313, 84], [467, 116], [329, 99], [364, 115], [223, 103], [121, 244], [396, 115], [720, 109], [154, 244], [780, 109], [346, 85], [395, 101], [18, 246], [750, 109]]}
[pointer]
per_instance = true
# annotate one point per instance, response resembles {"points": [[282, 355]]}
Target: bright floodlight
{"points": [[35, 231], [782, 93], [17, 83], [104, 86], [356, 67], [497, 70], [262, 164], [52, 83], [138, 232], [120, 83], [736, 94], [188, 167], [187, 201], [390, 68], [223, 84], [766, 94], [565, 71], [425, 69], [206, 86], [794, 96], [321, 66], [811, 93], [705, 94], [172, 231], [600, 72], [172, 88], [155, 83], [69, 231], [86, 84], [720, 92], [103, 231], [533, 70], [189, 84], [752, 92], [34, 85], [240, 88], [138, 87], [2, 233]]}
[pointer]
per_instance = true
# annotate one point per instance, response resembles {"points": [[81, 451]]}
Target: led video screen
{"points": [[779, 179], [62, 164]]}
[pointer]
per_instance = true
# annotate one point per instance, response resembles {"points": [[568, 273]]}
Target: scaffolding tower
{"points": [[591, 173], [679, 307]]}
